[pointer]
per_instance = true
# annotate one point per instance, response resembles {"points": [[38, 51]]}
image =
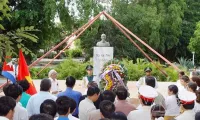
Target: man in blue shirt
{"points": [[69, 92], [63, 107]]}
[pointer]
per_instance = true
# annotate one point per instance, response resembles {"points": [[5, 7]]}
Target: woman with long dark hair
{"points": [[172, 103]]}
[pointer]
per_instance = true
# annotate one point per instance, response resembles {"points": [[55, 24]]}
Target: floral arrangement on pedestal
{"points": [[113, 74]]}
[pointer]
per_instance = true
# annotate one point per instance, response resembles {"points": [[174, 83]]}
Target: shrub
{"points": [[43, 74], [135, 70], [74, 53], [186, 63], [71, 68], [66, 68]]}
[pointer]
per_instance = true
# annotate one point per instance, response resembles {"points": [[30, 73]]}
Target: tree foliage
{"points": [[191, 17], [157, 22], [12, 40], [195, 40], [4, 9], [41, 14], [165, 25]]}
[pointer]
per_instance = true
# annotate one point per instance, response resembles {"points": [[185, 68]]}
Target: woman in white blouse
{"points": [[172, 103]]}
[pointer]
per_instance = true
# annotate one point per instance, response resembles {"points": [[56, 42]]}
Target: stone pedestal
{"points": [[101, 55]]}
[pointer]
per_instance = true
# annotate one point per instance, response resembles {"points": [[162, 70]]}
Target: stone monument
{"points": [[103, 42], [102, 53]]}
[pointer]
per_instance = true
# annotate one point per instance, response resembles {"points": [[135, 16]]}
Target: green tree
{"points": [[195, 40], [12, 40], [191, 17], [157, 22], [88, 9], [41, 14], [4, 9]]}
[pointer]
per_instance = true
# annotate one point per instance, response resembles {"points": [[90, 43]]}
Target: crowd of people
{"points": [[50, 103]]}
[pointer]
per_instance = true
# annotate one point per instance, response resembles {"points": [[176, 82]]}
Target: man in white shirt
{"points": [[187, 100], [54, 83], [86, 106], [107, 95], [7, 105], [33, 106], [142, 80], [146, 96], [15, 91]]}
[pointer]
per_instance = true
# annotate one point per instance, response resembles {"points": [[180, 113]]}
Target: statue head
{"points": [[103, 42], [103, 37]]}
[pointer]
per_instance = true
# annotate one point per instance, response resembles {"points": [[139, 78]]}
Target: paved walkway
{"points": [[162, 87]]}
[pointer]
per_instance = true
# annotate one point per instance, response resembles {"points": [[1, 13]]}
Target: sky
{"points": [[72, 6]]}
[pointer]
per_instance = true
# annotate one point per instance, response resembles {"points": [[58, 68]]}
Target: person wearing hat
{"points": [[89, 77], [146, 96], [142, 80], [160, 100], [187, 100]]}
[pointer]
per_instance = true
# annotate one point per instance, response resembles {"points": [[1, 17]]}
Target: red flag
{"points": [[23, 73]]}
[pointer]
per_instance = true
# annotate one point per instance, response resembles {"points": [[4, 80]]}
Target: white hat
{"points": [[147, 93], [187, 97]]}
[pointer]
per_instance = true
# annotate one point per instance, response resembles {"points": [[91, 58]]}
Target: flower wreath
{"points": [[113, 74]]}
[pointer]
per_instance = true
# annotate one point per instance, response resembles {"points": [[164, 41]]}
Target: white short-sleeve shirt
{"points": [[33, 106], [179, 85], [142, 81], [72, 117], [186, 115], [3, 118], [54, 85], [85, 107], [142, 114], [196, 107], [20, 112], [172, 108]]}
